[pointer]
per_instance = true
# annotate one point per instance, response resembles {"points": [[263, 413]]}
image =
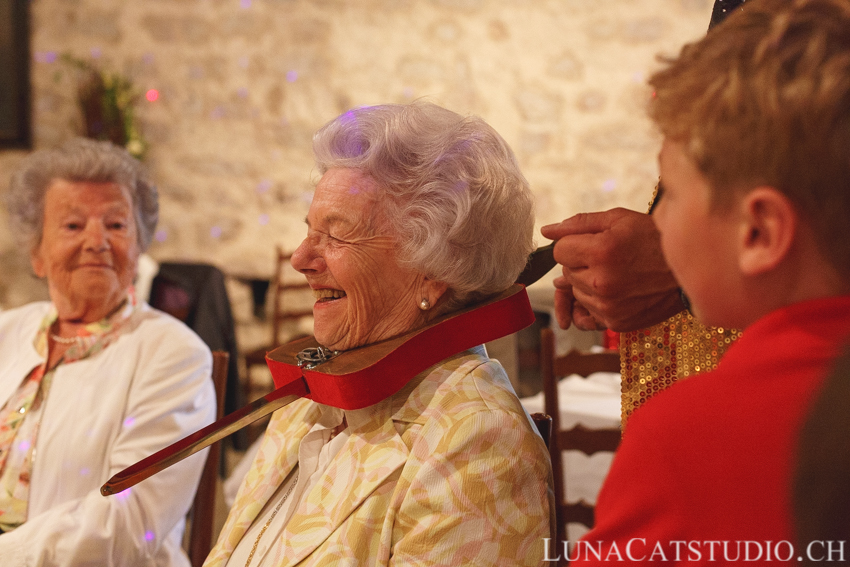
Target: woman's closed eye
{"points": [[337, 239], [328, 238]]}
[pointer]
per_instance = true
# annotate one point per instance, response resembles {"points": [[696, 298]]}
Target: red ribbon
{"points": [[341, 383]]}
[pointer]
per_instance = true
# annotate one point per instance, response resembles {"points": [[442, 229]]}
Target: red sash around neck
{"points": [[364, 376]]}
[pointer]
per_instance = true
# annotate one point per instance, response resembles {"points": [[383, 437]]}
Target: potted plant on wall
{"points": [[107, 101]]}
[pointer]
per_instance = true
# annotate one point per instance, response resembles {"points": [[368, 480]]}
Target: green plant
{"points": [[107, 101]]}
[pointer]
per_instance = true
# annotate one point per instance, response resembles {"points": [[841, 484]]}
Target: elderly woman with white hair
{"points": [[419, 212], [92, 380]]}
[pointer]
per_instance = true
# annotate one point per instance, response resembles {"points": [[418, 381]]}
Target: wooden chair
{"points": [[202, 513], [280, 287], [578, 438]]}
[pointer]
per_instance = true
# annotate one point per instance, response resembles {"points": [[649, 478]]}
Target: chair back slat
{"points": [[283, 284], [579, 438]]}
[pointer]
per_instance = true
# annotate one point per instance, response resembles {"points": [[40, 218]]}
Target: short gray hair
{"points": [[79, 159], [455, 196]]}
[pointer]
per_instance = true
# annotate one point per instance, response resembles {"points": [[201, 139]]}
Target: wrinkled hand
{"points": [[614, 274]]}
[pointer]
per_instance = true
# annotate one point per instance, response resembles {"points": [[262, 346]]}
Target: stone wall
{"points": [[243, 84]]}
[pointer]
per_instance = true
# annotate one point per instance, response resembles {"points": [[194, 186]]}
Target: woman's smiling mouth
{"points": [[94, 265], [326, 294]]}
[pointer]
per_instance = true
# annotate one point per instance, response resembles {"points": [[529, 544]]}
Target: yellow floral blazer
{"points": [[466, 482]]}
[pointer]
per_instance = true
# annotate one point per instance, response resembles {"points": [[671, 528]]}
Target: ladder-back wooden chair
{"points": [[284, 283], [579, 438], [202, 513]]}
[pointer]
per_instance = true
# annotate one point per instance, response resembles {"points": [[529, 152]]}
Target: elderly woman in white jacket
{"points": [[93, 380]]}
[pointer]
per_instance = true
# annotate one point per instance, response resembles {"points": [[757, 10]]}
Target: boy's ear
{"points": [[769, 225]]}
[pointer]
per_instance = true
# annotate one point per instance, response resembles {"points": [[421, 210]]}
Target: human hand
{"points": [[569, 311], [614, 274]]}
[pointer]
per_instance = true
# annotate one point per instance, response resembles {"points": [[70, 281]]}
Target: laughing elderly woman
{"points": [[93, 380], [419, 212]]}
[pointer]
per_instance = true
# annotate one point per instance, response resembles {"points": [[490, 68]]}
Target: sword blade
{"points": [[205, 437], [539, 263]]}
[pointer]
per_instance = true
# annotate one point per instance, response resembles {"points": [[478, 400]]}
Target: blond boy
{"points": [[753, 221]]}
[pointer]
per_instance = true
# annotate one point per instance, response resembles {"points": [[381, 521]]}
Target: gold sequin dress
{"points": [[653, 359]]}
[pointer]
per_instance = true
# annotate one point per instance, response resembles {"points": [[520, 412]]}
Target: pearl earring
{"points": [[424, 305]]}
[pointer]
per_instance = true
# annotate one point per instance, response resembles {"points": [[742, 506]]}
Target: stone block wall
{"points": [[243, 84]]}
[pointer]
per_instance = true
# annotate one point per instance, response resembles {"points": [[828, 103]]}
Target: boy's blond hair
{"points": [[764, 99]]}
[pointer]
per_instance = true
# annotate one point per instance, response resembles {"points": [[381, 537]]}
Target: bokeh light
{"points": [[45, 56]]}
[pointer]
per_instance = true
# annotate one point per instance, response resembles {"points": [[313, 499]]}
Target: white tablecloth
{"points": [[593, 402]]}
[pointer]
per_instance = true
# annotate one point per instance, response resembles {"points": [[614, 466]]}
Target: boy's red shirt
{"points": [[711, 459]]}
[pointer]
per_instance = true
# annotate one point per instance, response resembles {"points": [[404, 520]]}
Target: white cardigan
{"points": [[147, 389]]}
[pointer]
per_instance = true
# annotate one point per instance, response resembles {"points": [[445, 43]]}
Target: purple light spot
{"points": [[147, 58], [264, 185], [123, 496], [160, 235], [95, 52], [244, 4], [215, 232], [609, 185], [637, 77], [149, 536], [217, 112], [23, 445], [408, 92], [264, 219], [242, 92], [45, 56], [292, 76], [243, 62], [129, 421], [85, 471]]}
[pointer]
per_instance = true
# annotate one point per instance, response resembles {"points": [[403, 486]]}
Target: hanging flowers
{"points": [[107, 101]]}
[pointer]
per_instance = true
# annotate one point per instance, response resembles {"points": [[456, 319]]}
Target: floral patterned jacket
{"points": [[449, 471]]}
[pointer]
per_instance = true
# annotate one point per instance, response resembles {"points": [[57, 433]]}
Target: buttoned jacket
{"points": [[449, 471], [147, 389]]}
